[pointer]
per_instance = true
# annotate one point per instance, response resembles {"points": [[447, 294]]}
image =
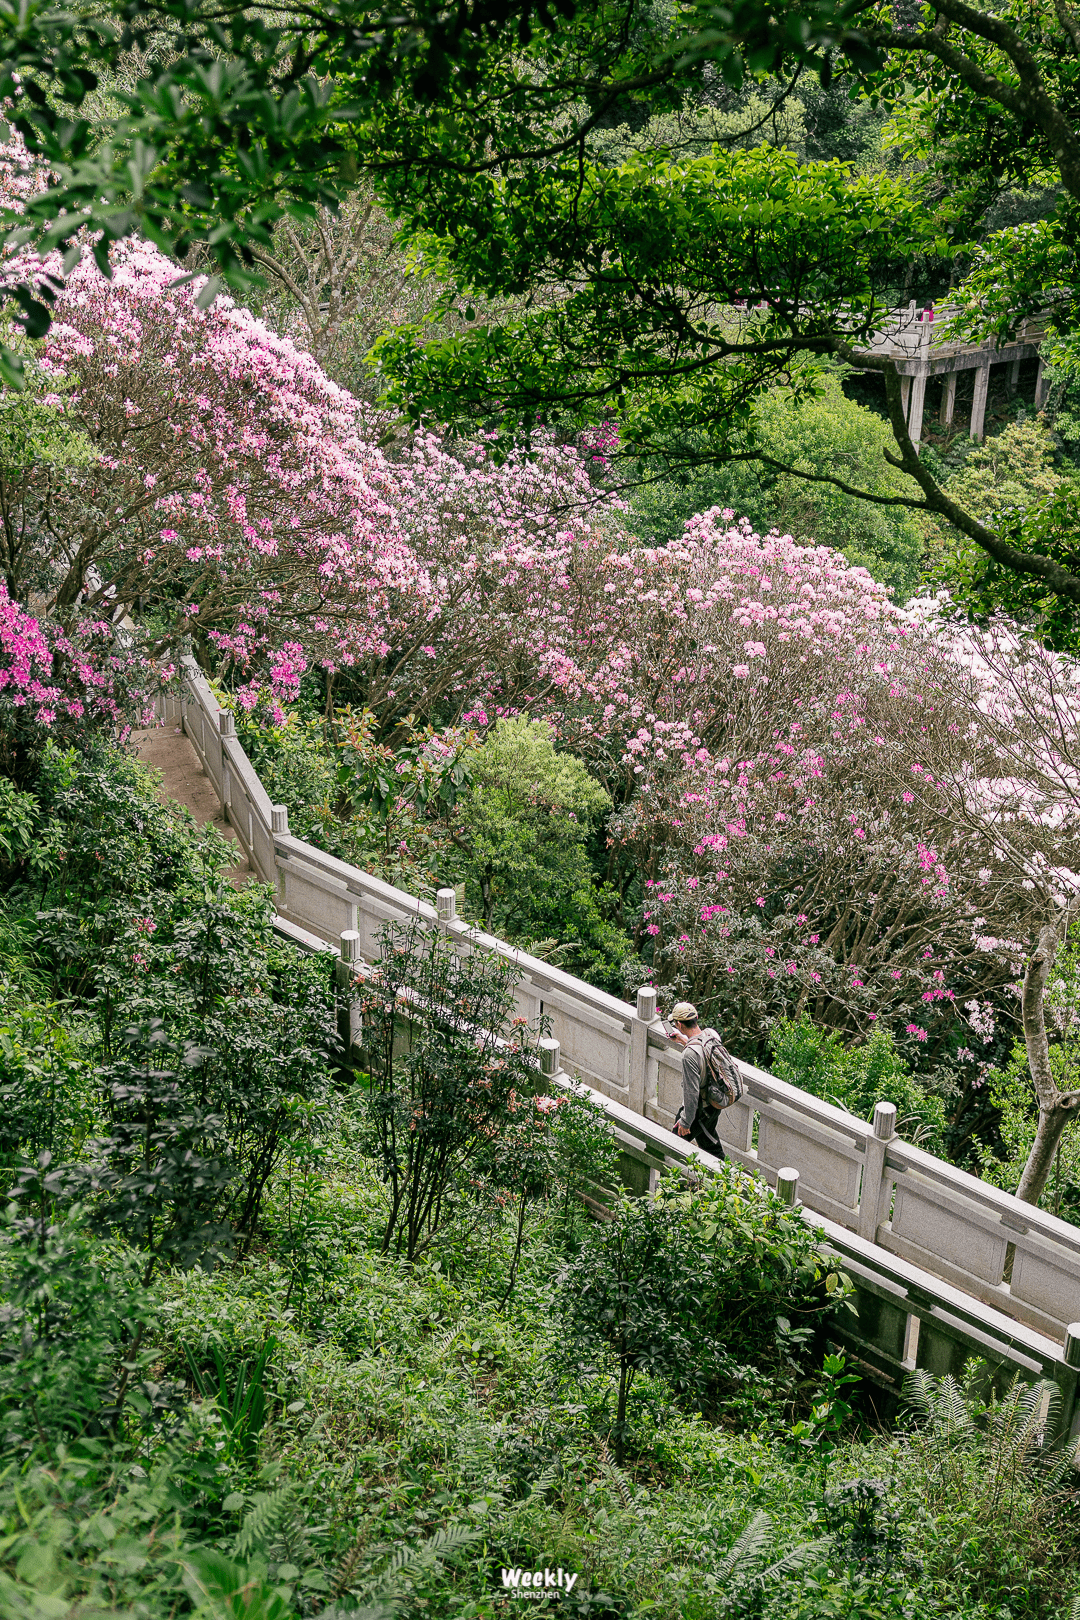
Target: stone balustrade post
{"points": [[550, 1058], [446, 904], [1072, 1345], [644, 1015], [279, 818], [348, 965], [872, 1195], [787, 1187], [226, 723]]}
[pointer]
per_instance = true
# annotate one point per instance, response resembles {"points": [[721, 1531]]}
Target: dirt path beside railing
{"points": [[184, 781]]}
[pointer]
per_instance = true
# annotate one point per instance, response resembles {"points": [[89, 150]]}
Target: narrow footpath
{"points": [[183, 781]]}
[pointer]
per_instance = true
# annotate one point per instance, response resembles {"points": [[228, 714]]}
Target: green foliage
{"points": [[137, 926], [820, 1431], [448, 1061], [983, 588], [1012, 1094], [719, 231], [98, 832], [166, 1165], [243, 1407], [48, 1101], [1013, 468], [1012, 483], [73, 1320], [34, 431], [523, 830], [691, 1288], [585, 1153], [317, 1427], [635, 1291], [825, 433], [987, 1464], [18, 827], [762, 115], [512, 817], [91, 1534], [383, 807], [857, 1077]]}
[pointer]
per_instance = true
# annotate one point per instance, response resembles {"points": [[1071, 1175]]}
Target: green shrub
{"points": [[523, 828], [856, 1077], [48, 1098], [74, 1317], [694, 1287], [445, 1084]]}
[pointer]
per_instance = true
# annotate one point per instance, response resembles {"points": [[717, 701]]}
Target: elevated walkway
{"points": [[183, 780], [916, 344], [945, 1265]]}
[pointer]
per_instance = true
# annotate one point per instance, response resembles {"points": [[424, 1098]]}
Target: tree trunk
{"points": [[1056, 1108]]}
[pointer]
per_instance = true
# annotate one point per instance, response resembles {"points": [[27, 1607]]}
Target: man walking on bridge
{"points": [[697, 1117]]}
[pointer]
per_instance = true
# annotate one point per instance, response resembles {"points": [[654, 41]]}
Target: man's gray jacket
{"points": [[693, 1069]]}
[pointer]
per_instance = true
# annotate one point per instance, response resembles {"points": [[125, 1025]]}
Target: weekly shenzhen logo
{"points": [[538, 1584]]}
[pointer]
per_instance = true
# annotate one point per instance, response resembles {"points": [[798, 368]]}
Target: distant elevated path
{"points": [[914, 341]]}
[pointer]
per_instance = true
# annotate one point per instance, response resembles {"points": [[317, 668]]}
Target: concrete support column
{"points": [[1042, 385], [977, 429], [1014, 378], [905, 394], [917, 404], [948, 399]]}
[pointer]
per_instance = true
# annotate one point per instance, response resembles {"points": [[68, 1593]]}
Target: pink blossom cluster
{"points": [[51, 681]]}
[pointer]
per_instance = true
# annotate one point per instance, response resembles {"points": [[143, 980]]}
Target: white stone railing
{"points": [[932, 1244], [908, 335]]}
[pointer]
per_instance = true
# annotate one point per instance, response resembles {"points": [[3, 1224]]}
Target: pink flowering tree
{"points": [[784, 740], [226, 489], [503, 561], [233, 495], [1027, 806]]}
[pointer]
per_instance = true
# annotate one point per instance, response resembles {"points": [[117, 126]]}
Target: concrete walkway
{"points": [[185, 782]]}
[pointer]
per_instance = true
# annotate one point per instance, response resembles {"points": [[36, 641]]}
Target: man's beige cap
{"points": [[684, 1012]]}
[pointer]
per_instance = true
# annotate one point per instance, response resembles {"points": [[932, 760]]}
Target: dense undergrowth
{"points": [[226, 1390]]}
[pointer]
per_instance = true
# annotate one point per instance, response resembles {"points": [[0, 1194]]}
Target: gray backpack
{"points": [[721, 1079]]}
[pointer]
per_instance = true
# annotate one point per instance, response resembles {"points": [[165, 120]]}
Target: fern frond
{"points": [[616, 1476], [261, 1523], [1074, 1612], [941, 1404], [747, 1549], [1064, 1460], [543, 1481], [343, 1575], [443, 1344], [1023, 1416], [803, 1554], [431, 1551]]}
